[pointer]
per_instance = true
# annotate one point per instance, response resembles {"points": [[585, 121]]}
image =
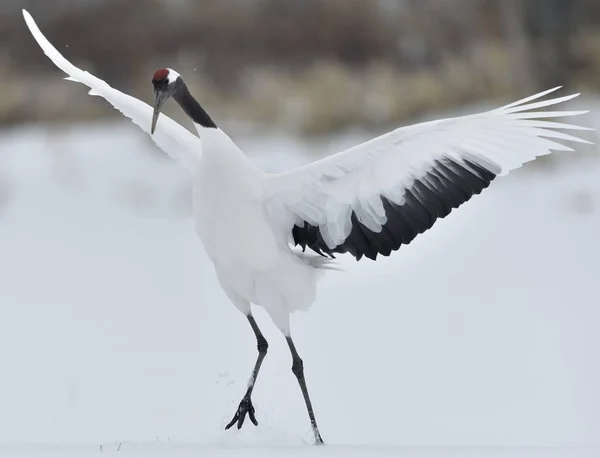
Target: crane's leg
{"points": [[298, 370], [246, 407]]}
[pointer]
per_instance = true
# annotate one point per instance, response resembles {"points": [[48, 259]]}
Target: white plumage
{"points": [[325, 192], [367, 200]]}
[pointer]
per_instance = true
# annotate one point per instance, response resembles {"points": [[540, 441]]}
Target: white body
{"points": [[254, 264], [245, 216]]}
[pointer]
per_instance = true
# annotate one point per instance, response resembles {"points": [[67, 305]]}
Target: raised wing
{"points": [[171, 137], [379, 195]]}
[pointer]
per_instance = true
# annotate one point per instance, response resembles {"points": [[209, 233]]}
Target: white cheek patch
{"points": [[172, 76]]}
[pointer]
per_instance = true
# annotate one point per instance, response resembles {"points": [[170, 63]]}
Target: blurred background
{"points": [[483, 332], [313, 66]]}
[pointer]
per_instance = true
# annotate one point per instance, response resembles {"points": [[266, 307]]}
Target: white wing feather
{"points": [[171, 137], [326, 192]]}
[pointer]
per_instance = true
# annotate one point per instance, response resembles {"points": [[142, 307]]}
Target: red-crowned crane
{"points": [[368, 200]]}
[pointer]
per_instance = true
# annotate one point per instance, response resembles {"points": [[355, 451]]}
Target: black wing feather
{"points": [[448, 185]]}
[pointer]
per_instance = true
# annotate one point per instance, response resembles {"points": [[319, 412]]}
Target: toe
{"points": [[251, 415], [241, 420], [245, 408], [233, 420]]}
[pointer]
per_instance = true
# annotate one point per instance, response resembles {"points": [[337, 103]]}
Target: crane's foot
{"points": [[318, 439], [244, 408]]}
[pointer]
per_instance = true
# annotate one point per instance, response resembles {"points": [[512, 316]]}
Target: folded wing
{"points": [[171, 137], [379, 195]]}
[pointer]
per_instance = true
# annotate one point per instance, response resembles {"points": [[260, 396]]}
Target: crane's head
{"points": [[166, 82]]}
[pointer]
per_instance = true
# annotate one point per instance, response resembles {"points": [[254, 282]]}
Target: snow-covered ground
{"points": [[480, 339]]}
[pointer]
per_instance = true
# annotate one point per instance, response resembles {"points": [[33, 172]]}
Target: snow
{"points": [[479, 339]]}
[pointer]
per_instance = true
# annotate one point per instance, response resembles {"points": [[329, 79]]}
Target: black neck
{"points": [[192, 108]]}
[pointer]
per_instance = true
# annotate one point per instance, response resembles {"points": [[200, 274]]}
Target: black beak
{"points": [[160, 97]]}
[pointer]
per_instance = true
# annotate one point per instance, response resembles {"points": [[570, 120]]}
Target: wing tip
{"points": [[36, 32], [526, 100], [28, 18]]}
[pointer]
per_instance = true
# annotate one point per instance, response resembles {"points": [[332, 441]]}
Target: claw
{"points": [[244, 408]]}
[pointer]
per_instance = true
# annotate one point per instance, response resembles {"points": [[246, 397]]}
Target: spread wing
{"points": [[171, 137], [379, 195]]}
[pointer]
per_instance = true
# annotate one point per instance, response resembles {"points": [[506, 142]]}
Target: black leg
{"points": [[246, 406], [298, 370]]}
